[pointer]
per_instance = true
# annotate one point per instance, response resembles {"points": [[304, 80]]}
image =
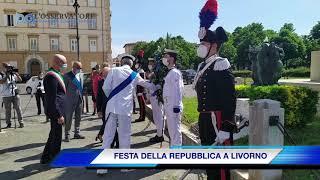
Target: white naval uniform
{"points": [[120, 106], [157, 113], [172, 95]]}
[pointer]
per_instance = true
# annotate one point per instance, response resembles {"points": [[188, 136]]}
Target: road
{"points": [[20, 150]]}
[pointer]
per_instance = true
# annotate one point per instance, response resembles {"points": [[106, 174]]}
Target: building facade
{"points": [[32, 31]]}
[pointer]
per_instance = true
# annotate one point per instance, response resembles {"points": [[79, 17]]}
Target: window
{"points": [[12, 43], [92, 3], [72, 22], [52, 1], [31, 1], [73, 45], [10, 20], [54, 44], [92, 22], [33, 44], [71, 2], [93, 45], [53, 21]]}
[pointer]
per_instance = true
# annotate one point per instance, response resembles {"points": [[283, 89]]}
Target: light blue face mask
{"points": [[64, 67]]}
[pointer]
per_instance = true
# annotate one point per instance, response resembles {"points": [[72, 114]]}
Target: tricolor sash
{"points": [[76, 82], [58, 77]]}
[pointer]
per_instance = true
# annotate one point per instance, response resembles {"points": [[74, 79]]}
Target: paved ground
{"points": [[20, 150]]}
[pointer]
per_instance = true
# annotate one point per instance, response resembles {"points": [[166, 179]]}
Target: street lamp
{"points": [[76, 7]]}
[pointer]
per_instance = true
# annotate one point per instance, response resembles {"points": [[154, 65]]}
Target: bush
{"points": [[300, 103], [242, 73], [297, 72]]}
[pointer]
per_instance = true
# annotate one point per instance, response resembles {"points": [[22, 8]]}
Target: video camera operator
{"points": [[10, 92]]}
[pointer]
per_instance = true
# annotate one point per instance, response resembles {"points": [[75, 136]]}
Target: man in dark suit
{"points": [[74, 87], [55, 97]]}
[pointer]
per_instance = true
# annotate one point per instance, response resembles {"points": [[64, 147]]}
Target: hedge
{"points": [[300, 103], [242, 73], [295, 72]]}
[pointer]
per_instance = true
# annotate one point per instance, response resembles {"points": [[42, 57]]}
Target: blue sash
{"points": [[123, 85], [76, 82]]}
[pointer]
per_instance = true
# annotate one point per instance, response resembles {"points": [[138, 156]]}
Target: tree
{"points": [[228, 50], [315, 32], [187, 55], [251, 35], [291, 43]]}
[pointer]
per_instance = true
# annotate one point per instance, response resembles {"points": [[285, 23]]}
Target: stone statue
{"points": [[267, 66]]}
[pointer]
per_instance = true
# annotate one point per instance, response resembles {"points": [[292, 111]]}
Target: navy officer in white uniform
{"points": [[172, 96]]}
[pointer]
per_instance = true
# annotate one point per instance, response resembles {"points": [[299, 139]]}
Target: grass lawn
{"points": [[308, 135]]}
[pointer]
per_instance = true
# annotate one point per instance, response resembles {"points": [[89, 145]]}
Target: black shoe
{"points": [[8, 125], [21, 125], [44, 161], [67, 139], [39, 113], [93, 114], [139, 120], [156, 139], [78, 136]]}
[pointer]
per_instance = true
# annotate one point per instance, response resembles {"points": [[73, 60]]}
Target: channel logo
{"points": [[25, 18]]}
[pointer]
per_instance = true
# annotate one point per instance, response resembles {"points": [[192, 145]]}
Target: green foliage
{"points": [[190, 112], [187, 55], [315, 32], [300, 103], [251, 35], [242, 73], [297, 72], [228, 50], [291, 43]]}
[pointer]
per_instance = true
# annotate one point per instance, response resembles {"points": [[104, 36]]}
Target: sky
{"points": [[146, 20]]}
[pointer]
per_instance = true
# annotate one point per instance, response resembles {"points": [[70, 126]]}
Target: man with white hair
{"points": [[118, 87]]}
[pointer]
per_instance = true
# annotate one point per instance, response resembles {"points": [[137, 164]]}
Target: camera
{"points": [[12, 70]]}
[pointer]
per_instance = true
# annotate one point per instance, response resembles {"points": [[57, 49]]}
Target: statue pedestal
{"points": [[315, 66]]}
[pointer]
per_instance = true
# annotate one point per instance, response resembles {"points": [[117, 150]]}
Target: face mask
{"points": [[137, 66], [77, 71], [64, 67], [202, 51], [150, 67], [165, 61]]}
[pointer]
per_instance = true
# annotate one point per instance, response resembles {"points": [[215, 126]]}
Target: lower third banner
{"points": [[193, 157]]}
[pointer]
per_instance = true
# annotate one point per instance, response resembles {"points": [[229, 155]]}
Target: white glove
{"points": [[222, 137]]}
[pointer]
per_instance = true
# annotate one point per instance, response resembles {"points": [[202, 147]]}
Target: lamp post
{"points": [[76, 7]]}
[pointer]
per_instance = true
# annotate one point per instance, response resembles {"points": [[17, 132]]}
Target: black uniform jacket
{"points": [[216, 92]]}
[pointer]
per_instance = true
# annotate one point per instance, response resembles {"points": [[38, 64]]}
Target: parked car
{"points": [[31, 84], [25, 77], [188, 76]]}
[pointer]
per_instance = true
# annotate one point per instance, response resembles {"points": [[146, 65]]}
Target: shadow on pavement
{"points": [[26, 171], [30, 158], [143, 133], [92, 128], [20, 148]]}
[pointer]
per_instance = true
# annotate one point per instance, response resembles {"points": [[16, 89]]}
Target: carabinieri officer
{"points": [[214, 84]]}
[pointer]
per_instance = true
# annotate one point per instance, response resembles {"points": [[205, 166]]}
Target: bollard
{"points": [[262, 132]]}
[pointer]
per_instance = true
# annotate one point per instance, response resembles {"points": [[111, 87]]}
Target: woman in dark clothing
{"points": [[101, 107]]}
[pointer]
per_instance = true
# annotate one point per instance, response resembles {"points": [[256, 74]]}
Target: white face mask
{"points": [[165, 61], [64, 67], [150, 67], [202, 51]]}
